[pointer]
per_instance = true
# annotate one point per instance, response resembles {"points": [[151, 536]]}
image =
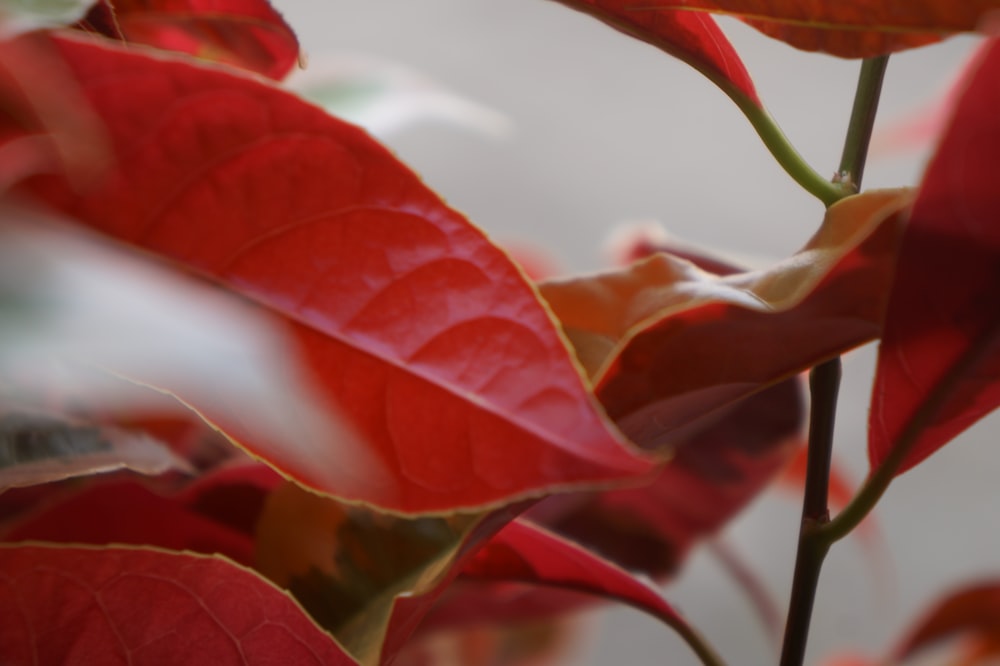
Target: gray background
{"points": [[608, 129]]}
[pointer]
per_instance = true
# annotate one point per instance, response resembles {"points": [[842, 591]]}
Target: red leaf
{"points": [[128, 512], [709, 480], [424, 334], [690, 36], [973, 611], [48, 125], [525, 554], [132, 606], [939, 361], [244, 33], [847, 28]]}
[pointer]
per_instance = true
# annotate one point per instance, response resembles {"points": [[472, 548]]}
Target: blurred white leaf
{"points": [[385, 97], [85, 321], [19, 16]]}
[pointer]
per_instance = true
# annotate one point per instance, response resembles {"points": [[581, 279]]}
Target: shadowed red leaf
{"points": [[244, 33], [712, 476], [525, 572], [128, 512], [422, 333], [692, 37], [62, 605], [939, 361], [847, 28]]}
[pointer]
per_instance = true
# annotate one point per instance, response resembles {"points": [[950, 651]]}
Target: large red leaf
{"points": [[692, 37], [62, 605], [848, 28], [432, 343], [669, 345], [939, 362], [245, 33]]}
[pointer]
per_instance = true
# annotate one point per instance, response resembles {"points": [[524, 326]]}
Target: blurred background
{"points": [[602, 130]]}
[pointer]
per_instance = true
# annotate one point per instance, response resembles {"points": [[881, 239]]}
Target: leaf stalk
{"points": [[824, 383]]}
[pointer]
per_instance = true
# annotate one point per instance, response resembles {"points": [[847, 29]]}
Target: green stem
{"points": [[782, 149], [879, 481], [824, 385], [698, 644], [859, 131]]}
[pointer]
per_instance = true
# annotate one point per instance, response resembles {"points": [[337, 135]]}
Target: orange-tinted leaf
{"points": [[972, 612], [128, 512], [692, 37], [939, 362], [669, 344], [422, 333], [244, 33], [63, 605], [847, 28]]}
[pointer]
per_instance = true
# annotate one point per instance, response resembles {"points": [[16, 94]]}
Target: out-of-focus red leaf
{"points": [[47, 126], [972, 612], [37, 447], [848, 28], [128, 512], [923, 127], [431, 342], [245, 33], [670, 345], [711, 477], [939, 361], [76, 605], [692, 37], [841, 487]]}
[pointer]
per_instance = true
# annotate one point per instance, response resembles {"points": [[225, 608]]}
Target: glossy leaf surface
{"points": [[848, 28], [421, 333], [248, 34], [939, 362], [91, 606], [692, 37], [669, 344]]}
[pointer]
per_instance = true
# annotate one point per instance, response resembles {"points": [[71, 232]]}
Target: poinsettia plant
{"points": [[267, 398]]}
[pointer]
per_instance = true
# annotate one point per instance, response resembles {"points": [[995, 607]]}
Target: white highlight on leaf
{"points": [[96, 325], [20, 16], [385, 98]]}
